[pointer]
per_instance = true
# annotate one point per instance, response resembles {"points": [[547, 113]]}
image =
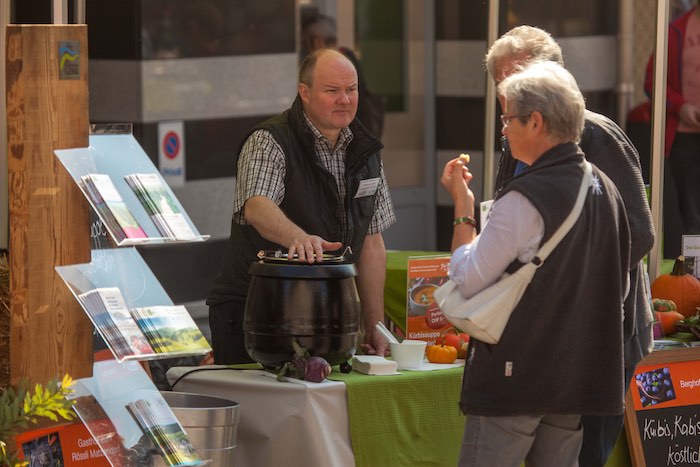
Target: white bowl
{"points": [[408, 354]]}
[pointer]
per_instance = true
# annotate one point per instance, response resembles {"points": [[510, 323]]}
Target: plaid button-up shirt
{"points": [[261, 172]]}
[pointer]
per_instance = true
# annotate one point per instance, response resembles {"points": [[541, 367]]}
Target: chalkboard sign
{"points": [[663, 409]]}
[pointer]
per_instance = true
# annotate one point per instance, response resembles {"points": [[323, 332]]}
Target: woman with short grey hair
{"points": [[551, 90], [525, 395]]}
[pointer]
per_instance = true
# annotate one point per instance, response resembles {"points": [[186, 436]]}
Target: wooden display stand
{"points": [[47, 109]]}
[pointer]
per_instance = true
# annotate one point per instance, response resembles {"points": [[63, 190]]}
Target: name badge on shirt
{"points": [[367, 187]]}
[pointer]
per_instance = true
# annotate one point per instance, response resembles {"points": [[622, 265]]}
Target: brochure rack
{"points": [[116, 153], [119, 404], [122, 269]]}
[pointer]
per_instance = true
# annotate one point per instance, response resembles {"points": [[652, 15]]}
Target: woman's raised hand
{"points": [[456, 177]]}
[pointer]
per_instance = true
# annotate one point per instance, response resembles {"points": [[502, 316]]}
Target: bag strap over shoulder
{"points": [[569, 222]]}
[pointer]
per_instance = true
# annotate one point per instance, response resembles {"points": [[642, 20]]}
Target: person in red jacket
{"points": [[682, 147]]}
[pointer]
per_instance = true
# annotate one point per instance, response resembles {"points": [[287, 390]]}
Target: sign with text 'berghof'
{"points": [[666, 399]]}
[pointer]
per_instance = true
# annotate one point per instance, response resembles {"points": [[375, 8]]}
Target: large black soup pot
{"points": [[316, 305]]}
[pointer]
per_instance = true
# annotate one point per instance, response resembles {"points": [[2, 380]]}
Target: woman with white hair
{"points": [[525, 395]]}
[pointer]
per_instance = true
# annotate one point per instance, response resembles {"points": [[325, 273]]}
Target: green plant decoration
{"points": [[20, 407]]}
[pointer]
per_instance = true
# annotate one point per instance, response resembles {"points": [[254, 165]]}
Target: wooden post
{"points": [[47, 109]]}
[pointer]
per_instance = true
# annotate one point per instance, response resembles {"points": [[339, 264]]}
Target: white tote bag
{"points": [[485, 315]]}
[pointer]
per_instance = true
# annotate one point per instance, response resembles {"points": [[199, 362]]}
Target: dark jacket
{"points": [[564, 339], [311, 199], [606, 146]]}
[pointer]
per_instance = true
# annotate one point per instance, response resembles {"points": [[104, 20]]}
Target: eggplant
{"points": [[304, 366], [317, 369]]}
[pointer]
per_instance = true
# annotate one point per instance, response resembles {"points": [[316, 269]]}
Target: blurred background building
{"points": [[215, 68]]}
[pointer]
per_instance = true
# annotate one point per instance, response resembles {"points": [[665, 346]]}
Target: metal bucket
{"points": [[211, 424]]}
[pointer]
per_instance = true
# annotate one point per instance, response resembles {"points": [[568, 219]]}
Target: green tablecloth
{"points": [[407, 419]]}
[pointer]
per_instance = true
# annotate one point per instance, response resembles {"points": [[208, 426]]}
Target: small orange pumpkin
{"points": [[668, 320], [441, 353], [682, 288]]}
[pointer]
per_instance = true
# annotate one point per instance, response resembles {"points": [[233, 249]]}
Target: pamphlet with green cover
{"points": [[170, 329], [160, 205]]}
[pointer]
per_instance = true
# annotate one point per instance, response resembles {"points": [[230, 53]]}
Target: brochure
{"points": [[142, 332], [158, 422], [424, 319], [113, 320], [110, 205], [160, 205], [170, 329]]}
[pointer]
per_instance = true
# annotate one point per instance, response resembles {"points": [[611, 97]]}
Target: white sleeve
{"points": [[514, 230]]}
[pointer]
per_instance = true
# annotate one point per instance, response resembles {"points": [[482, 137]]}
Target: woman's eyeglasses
{"points": [[505, 119]]}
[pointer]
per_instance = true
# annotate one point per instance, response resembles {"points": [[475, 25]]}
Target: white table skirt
{"points": [[290, 424]]}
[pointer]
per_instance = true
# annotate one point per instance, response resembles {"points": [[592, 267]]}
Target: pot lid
{"points": [[276, 256], [277, 264]]}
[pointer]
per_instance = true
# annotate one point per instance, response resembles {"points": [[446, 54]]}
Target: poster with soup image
{"points": [[424, 319]]}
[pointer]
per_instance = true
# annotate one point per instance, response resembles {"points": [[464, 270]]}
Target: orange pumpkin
{"points": [[441, 353], [668, 321], [682, 288]]}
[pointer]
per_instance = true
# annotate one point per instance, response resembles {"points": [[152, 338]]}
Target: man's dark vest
{"points": [[311, 198]]}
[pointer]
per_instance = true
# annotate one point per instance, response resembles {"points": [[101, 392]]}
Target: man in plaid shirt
{"points": [[309, 180]]}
